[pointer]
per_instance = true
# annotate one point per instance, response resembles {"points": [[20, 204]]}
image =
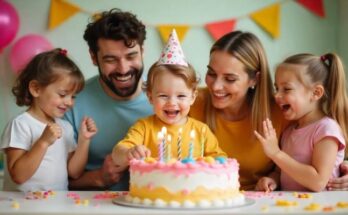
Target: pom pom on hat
{"points": [[172, 52]]}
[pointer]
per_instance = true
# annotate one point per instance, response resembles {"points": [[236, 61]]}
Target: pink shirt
{"points": [[299, 143]]}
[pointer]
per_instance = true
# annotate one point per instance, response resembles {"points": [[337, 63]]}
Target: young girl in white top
{"points": [[311, 92], [40, 151]]}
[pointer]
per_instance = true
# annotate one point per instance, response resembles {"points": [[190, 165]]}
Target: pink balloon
{"points": [[9, 23], [25, 49]]}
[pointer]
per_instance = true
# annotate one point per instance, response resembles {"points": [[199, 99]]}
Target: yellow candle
{"points": [[179, 143], [202, 141]]}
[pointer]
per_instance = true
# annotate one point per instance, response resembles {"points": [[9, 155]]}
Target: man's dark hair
{"points": [[115, 25]]}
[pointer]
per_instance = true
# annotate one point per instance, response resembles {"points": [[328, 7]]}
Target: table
{"points": [[91, 202]]}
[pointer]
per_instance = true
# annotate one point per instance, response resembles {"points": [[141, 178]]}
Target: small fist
{"points": [[88, 128], [266, 184], [138, 152], [51, 133]]}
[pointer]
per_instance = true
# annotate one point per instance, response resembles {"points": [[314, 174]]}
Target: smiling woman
{"points": [[237, 99]]}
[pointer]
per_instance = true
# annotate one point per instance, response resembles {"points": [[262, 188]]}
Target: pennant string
{"points": [[268, 18]]}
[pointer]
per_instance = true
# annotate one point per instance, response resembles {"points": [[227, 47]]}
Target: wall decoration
{"points": [[9, 23], [25, 48], [268, 18]]}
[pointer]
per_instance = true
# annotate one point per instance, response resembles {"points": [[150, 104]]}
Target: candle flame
{"points": [[164, 130], [192, 134], [180, 131], [160, 136]]}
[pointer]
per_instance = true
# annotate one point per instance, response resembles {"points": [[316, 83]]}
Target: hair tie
{"points": [[323, 58], [63, 52]]}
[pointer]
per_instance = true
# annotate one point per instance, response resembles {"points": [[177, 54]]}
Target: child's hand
{"points": [[88, 128], [269, 141], [51, 133], [138, 152], [266, 184]]}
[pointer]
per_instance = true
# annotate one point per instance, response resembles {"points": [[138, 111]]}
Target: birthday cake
{"points": [[202, 183]]}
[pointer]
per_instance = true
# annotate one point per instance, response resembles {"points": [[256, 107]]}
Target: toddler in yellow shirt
{"points": [[171, 87]]}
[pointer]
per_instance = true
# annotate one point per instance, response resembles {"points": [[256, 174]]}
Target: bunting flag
{"points": [[218, 29], [315, 6], [268, 18], [60, 11], [165, 31]]}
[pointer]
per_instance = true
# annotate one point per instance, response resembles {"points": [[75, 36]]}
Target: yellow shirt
{"points": [[237, 139], [145, 131]]}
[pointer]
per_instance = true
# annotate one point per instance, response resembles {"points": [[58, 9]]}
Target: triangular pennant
{"points": [[268, 18], [315, 6], [165, 31], [218, 29], [60, 11]]}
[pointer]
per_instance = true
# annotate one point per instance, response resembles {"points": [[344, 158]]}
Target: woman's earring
{"points": [[252, 87]]}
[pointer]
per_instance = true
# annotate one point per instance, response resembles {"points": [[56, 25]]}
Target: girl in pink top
{"points": [[311, 93]]}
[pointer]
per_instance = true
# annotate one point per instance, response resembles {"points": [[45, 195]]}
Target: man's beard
{"points": [[123, 92]]}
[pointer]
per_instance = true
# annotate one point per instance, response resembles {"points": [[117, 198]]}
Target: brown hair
{"points": [[115, 25], [42, 69], [247, 48], [188, 74], [327, 70]]}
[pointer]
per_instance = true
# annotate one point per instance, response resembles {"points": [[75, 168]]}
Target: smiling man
{"points": [[114, 98]]}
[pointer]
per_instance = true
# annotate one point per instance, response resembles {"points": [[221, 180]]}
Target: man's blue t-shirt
{"points": [[113, 119]]}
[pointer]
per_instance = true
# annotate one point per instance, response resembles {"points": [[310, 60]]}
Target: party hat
{"points": [[172, 52]]}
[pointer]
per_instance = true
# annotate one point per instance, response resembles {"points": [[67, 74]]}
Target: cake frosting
{"points": [[205, 182]]}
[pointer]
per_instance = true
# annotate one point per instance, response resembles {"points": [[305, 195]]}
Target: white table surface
{"points": [[60, 203]]}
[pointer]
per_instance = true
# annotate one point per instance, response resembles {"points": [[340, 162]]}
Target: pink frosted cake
{"points": [[205, 182]]}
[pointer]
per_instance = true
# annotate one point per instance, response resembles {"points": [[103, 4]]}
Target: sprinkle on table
{"points": [[313, 207], [342, 204], [15, 205]]}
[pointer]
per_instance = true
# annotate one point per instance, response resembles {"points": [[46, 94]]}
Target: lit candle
{"points": [[203, 141], [179, 143], [192, 136], [160, 146], [169, 149]]}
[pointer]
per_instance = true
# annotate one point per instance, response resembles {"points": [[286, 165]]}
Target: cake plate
{"points": [[123, 202]]}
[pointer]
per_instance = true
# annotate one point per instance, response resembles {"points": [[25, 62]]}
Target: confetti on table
{"points": [[313, 207], [77, 201], [302, 195], [73, 195], [328, 209], [257, 195], [265, 208], [39, 195], [286, 203], [342, 204], [85, 202], [15, 205], [106, 195]]}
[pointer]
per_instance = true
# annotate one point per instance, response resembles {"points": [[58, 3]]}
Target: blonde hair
{"points": [[188, 74], [247, 48], [327, 70]]}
